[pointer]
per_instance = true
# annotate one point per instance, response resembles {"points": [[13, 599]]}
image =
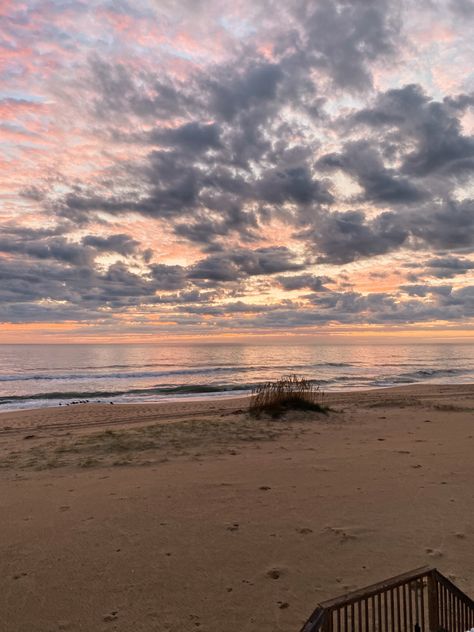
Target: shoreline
{"points": [[226, 396], [159, 517]]}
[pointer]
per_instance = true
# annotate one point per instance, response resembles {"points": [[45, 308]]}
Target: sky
{"points": [[255, 169]]}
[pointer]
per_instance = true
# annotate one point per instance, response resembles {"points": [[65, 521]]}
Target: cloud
{"points": [[190, 136], [234, 265], [344, 38], [188, 161], [294, 185], [232, 93], [117, 93], [121, 244], [447, 267], [363, 161], [344, 236], [305, 281], [448, 225], [465, 8], [429, 131]]}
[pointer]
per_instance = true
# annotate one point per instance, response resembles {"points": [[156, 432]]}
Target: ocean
{"points": [[33, 376]]}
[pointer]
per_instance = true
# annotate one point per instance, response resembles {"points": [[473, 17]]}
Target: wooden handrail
{"points": [[422, 600], [315, 621], [379, 587], [453, 588]]}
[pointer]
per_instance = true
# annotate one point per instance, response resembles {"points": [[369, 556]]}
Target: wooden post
{"points": [[327, 622], [433, 609]]}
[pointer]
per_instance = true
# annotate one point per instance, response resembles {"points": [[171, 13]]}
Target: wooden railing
{"points": [[422, 600]]}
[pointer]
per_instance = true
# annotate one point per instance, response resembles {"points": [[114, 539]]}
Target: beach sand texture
{"points": [[193, 516]]}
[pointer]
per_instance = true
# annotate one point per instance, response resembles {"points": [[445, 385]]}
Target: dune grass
{"points": [[288, 393], [142, 445]]}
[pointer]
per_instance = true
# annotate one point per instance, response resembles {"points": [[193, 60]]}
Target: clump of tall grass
{"points": [[288, 393]]}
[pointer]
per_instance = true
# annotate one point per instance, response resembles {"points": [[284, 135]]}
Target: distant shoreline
{"points": [[108, 399], [225, 401]]}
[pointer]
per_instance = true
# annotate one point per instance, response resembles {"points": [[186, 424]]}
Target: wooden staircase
{"points": [[422, 600]]}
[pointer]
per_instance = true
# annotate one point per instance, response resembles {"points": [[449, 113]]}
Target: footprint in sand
{"points": [[304, 531], [347, 533], [233, 527], [112, 616], [275, 573], [434, 552]]}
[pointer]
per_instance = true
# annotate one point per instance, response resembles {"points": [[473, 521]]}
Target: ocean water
{"points": [[49, 375]]}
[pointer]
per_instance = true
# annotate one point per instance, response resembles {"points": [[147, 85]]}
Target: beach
{"points": [[193, 515]]}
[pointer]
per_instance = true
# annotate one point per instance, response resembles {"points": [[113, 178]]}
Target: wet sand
{"points": [[195, 516]]}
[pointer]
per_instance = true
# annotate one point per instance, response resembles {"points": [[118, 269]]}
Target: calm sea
{"points": [[49, 375]]}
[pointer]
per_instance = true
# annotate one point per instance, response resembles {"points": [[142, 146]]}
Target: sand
{"points": [[186, 517]]}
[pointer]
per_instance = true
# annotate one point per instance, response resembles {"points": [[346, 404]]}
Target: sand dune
{"points": [[185, 517]]}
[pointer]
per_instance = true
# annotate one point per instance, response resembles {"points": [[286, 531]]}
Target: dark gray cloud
{"points": [[464, 8], [305, 282], [233, 93], [445, 226], [205, 228], [117, 93], [426, 290], [190, 136], [341, 237], [58, 248], [223, 309], [344, 38], [447, 267], [433, 127], [363, 161], [293, 184], [168, 277], [51, 244], [121, 244], [237, 264], [62, 279]]}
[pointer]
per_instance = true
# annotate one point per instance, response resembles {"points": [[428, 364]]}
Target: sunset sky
{"points": [[207, 169]]}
